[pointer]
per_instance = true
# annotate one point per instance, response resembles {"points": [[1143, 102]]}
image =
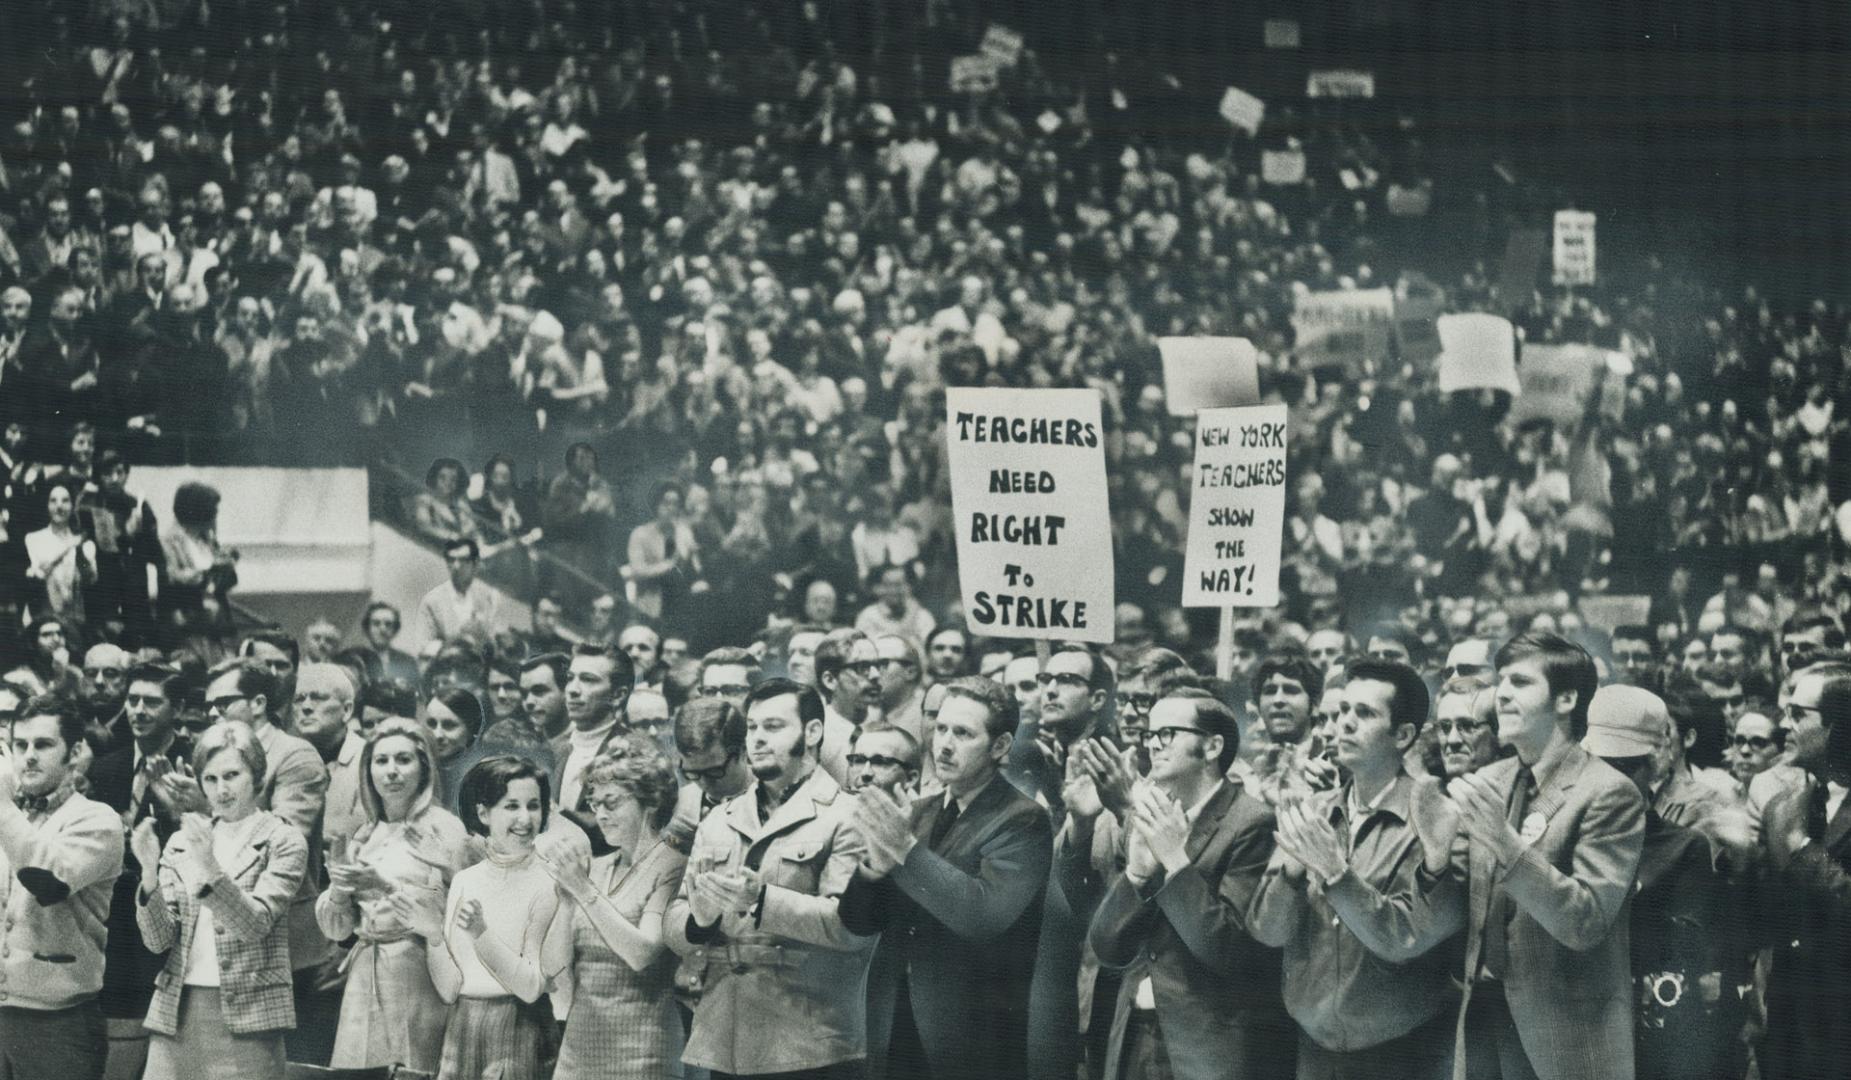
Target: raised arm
{"points": [[85, 849], [249, 916], [1012, 872], [1578, 909], [817, 920]]}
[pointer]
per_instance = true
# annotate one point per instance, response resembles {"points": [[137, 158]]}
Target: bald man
{"points": [[106, 683]]}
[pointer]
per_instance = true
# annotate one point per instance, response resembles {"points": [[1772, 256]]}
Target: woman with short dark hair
{"points": [[488, 967]]}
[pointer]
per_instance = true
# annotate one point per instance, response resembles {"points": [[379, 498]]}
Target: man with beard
{"points": [[785, 979]]}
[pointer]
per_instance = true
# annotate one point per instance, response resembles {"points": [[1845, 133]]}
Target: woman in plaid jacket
{"points": [[219, 912], [623, 1024]]}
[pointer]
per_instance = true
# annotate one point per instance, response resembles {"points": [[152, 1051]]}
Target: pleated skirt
{"points": [[491, 1033]]}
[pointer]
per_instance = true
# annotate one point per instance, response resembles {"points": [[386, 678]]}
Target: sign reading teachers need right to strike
{"points": [[1236, 508], [1028, 500]]}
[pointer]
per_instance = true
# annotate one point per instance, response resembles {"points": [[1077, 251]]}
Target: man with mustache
{"points": [[783, 978]]}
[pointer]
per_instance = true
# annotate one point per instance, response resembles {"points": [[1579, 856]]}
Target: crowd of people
{"points": [[742, 796], [838, 854]]}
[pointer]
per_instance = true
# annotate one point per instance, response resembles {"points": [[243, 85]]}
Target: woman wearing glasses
{"points": [[220, 913], [623, 1024], [403, 857]]}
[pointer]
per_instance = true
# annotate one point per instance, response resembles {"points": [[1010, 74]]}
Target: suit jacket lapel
{"points": [[1209, 821], [1839, 826], [257, 846]]}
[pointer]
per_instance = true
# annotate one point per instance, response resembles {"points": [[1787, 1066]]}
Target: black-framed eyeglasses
{"points": [[880, 761], [1460, 671], [1164, 736], [1466, 728], [713, 774], [865, 668], [1757, 743], [1063, 678], [1138, 703], [727, 690], [225, 702], [1793, 711]]}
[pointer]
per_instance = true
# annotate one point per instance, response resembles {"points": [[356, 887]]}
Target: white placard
{"points": [[1028, 499], [1343, 326], [1574, 247], [973, 74], [1242, 109], [1002, 44], [1282, 166], [1340, 84], [1477, 351], [1557, 382], [1236, 508], [1208, 373], [1282, 33]]}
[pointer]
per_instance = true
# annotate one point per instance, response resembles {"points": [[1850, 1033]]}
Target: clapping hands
{"points": [[885, 829]]}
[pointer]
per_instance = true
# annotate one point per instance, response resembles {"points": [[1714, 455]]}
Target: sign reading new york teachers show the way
{"points": [[1236, 508], [1029, 497]]}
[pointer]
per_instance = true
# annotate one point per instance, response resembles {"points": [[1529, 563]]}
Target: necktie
{"points": [[1496, 955], [942, 827]]}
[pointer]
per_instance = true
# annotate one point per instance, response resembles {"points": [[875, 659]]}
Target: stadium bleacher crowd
{"points": [[641, 316]]}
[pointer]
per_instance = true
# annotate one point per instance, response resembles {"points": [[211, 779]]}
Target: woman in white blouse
{"points": [[405, 856], [59, 556], [219, 912], [492, 930]]}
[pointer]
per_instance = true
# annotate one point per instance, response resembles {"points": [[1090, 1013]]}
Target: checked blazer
{"points": [[250, 900], [1569, 982]]}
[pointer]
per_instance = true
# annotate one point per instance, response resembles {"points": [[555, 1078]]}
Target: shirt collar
{"points": [[1551, 762], [140, 756], [1190, 815], [1392, 799]]}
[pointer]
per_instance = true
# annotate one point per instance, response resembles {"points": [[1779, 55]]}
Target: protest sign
{"points": [[1418, 303], [973, 74], [1557, 380], [1412, 201], [1002, 45], [1281, 33], [1340, 84], [1242, 109], [1478, 352], [1208, 373], [1574, 247], [1028, 500], [1345, 327], [1236, 508], [1282, 166], [1524, 252]]}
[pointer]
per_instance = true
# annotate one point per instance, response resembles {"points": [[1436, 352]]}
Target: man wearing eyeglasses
{"points": [[1810, 857], [848, 673], [1199, 996], [1468, 658], [901, 689], [1635, 658], [1466, 719], [886, 758], [729, 672], [1804, 636]]}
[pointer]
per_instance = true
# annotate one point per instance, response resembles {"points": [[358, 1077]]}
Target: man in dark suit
{"points": [[956, 887], [1199, 997], [381, 625], [1808, 897], [131, 781], [1554, 839]]}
